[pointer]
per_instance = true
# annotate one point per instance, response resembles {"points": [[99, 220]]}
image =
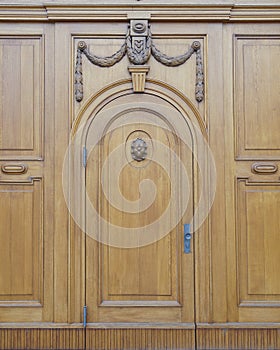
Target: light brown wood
{"points": [[74, 10], [27, 173], [21, 125], [226, 293], [21, 255], [42, 338], [257, 96], [140, 338], [146, 280], [258, 237], [253, 252], [238, 338]]}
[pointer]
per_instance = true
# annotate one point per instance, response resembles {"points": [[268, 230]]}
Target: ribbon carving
{"points": [[139, 47]]}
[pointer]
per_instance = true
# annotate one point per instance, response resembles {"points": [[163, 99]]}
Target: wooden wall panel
{"points": [[21, 245], [258, 227], [21, 97], [26, 172], [251, 53], [250, 294], [257, 96]]}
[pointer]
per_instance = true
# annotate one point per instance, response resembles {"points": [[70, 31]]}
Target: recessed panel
{"points": [[143, 272], [21, 97], [257, 97], [258, 230], [21, 275]]}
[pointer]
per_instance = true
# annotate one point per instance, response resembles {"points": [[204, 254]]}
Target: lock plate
{"points": [[187, 239]]}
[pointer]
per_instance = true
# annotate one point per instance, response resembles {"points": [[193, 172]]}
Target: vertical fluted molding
{"points": [[251, 339], [136, 338], [133, 339], [42, 338]]}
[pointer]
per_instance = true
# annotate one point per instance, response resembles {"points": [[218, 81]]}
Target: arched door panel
{"points": [[139, 195]]}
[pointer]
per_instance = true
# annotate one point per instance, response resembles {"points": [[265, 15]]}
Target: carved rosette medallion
{"points": [[138, 150]]}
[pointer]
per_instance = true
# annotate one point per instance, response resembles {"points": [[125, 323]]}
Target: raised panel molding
{"points": [[258, 239], [22, 80], [257, 96], [21, 244]]}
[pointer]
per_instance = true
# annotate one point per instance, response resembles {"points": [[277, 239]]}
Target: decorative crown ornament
{"points": [[139, 47]]}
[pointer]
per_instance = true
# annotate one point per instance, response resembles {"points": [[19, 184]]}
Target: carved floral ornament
{"points": [[139, 150], [139, 47]]}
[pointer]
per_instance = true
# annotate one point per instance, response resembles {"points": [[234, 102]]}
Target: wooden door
{"points": [[136, 207]]}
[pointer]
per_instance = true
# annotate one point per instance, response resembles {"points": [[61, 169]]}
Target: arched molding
{"points": [[153, 87]]}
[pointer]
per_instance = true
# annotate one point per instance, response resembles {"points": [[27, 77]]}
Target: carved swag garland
{"points": [[139, 50]]}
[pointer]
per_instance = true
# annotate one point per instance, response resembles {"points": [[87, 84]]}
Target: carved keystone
{"points": [[138, 74]]}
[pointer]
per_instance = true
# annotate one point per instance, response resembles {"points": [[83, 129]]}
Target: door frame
{"points": [[92, 106]]}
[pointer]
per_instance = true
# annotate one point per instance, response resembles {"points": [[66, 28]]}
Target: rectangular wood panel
{"points": [[258, 227], [21, 234], [144, 261], [257, 91], [21, 97]]}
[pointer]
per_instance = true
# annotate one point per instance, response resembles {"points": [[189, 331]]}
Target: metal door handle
{"points": [[187, 239]]}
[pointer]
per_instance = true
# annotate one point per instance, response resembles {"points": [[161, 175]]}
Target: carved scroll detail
{"points": [[139, 47]]}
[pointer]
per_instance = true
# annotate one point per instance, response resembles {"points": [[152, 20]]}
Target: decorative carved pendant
{"points": [[139, 150], [139, 47]]}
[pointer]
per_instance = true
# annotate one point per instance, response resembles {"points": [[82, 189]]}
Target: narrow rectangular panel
{"points": [[21, 97], [21, 274], [258, 225], [257, 91]]}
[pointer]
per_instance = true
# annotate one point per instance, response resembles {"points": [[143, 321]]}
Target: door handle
{"points": [[14, 169], [187, 239]]}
